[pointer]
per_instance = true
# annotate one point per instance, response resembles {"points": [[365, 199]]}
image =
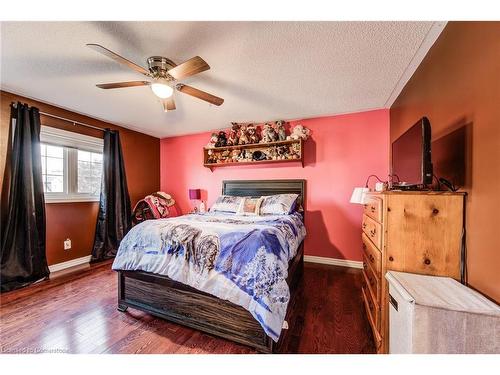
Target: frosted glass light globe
{"points": [[162, 90]]}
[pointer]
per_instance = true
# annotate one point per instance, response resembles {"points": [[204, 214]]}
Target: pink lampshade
{"points": [[194, 193]]}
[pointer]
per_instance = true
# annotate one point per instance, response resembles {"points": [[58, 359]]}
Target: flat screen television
{"points": [[411, 157]]}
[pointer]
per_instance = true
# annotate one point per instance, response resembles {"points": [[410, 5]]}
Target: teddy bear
{"points": [[212, 158], [248, 155], [221, 139], [295, 151], [213, 141], [233, 137], [225, 156], [235, 155], [272, 153], [253, 136], [243, 136], [280, 129], [269, 134], [299, 132]]}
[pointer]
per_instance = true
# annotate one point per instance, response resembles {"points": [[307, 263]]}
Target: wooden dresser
{"points": [[417, 232]]}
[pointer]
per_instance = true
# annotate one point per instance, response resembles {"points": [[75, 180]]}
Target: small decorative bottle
{"points": [[202, 207]]}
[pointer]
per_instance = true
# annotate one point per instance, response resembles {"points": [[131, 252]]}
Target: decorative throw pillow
{"points": [[249, 206], [279, 204], [226, 203]]}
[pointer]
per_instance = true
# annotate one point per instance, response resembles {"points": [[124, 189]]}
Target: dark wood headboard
{"points": [[257, 188]]}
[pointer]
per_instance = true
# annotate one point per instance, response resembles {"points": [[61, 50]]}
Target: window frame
{"points": [[71, 143]]}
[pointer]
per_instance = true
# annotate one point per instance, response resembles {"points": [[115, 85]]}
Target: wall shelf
{"points": [[224, 155]]}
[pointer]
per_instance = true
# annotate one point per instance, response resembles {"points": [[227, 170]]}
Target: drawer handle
{"points": [[364, 246], [364, 225], [372, 208], [371, 280], [427, 261], [373, 232], [391, 259], [372, 259]]}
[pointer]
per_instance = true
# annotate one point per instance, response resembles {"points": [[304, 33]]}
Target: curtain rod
{"points": [[72, 121], [14, 104]]}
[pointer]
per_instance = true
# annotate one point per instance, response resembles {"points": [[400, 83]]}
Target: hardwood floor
{"points": [[77, 313]]}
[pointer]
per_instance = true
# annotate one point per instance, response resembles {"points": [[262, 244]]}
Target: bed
{"points": [[233, 316]]}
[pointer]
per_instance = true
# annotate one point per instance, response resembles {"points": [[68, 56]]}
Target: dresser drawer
{"points": [[373, 230], [373, 208], [373, 308], [372, 280], [370, 311], [373, 254]]}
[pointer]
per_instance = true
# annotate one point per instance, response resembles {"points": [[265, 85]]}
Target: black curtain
{"points": [[114, 218], [23, 259]]}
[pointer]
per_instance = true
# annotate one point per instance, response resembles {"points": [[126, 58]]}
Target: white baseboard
{"points": [[307, 258], [333, 261], [70, 263]]}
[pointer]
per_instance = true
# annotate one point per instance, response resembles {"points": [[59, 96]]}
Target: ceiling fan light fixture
{"points": [[162, 90], [164, 73]]}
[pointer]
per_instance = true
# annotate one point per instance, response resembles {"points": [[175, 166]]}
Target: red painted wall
{"points": [[341, 153]]}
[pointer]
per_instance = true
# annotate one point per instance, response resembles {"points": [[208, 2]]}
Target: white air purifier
{"points": [[431, 314]]}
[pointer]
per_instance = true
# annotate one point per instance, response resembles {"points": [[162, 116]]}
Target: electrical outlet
{"points": [[67, 244]]}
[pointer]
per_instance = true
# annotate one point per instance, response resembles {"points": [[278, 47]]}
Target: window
{"points": [[89, 172], [71, 166], [52, 168]]}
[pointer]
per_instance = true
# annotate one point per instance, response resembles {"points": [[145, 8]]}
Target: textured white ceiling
{"points": [[263, 70]]}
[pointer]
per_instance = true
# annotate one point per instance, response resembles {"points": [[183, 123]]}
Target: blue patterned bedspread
{"points": [[242, 259]]}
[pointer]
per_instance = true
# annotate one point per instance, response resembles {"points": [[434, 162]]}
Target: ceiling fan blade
{"points": [[168, 104], [119, 59], [188, 68], [199, 94], [119, 85]]}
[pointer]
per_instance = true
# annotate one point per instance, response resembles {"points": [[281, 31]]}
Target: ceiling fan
{"points": [[165, 74]]}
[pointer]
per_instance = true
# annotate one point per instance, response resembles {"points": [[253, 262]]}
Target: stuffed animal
{"points": [[252, 135], [221, 139], [259, 155], [272, 153], [211, 157], [269, 134], [235, 155], [265, 133], [295, 151], [213, 141], [246, 155], [280, 129], [233, 138], [225, 156], [282, 152], [299, 132], [243, 136]]}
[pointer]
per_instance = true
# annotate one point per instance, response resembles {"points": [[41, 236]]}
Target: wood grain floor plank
{"points": [[76, 313]]}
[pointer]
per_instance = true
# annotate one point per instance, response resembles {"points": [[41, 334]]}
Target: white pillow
{"points": [[278, 204], [226, 203], [249, 206]]}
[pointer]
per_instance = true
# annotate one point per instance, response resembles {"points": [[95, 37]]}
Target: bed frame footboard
{"points": [[182, 304]]}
